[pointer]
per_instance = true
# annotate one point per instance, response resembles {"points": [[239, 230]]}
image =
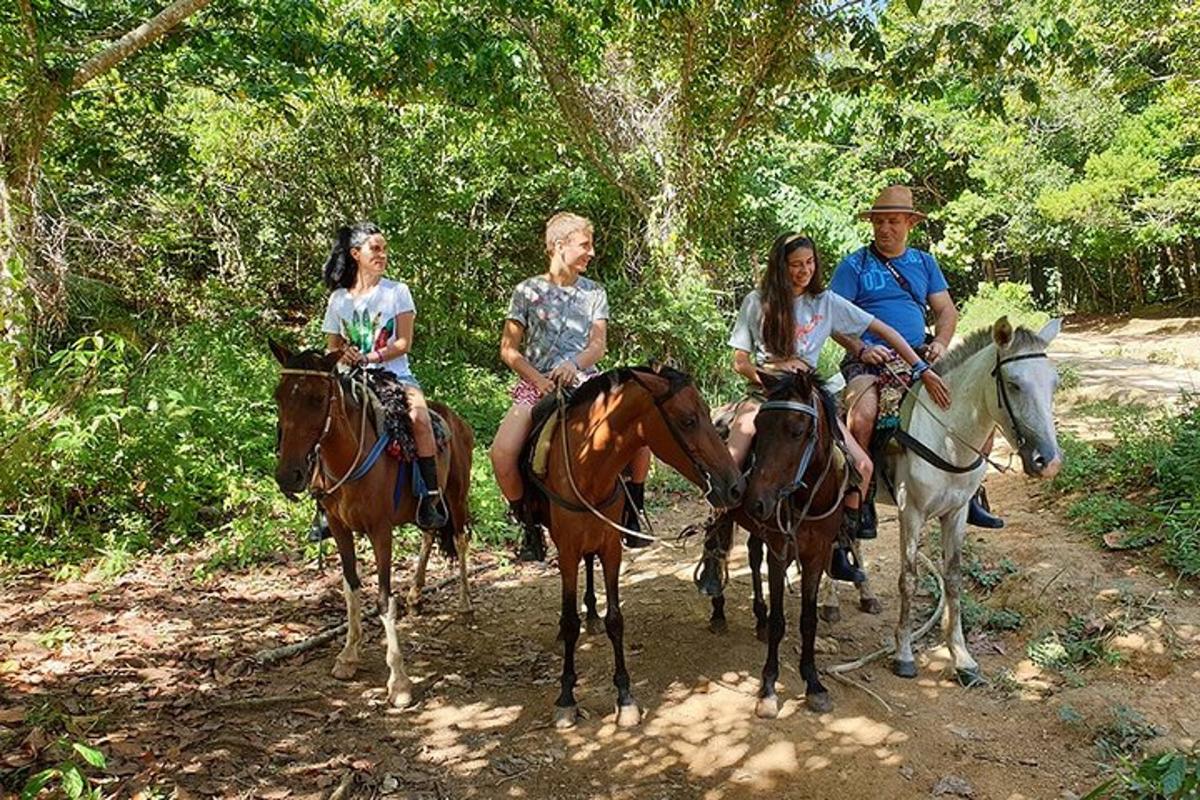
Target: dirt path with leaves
{"points": [[156, 671]]}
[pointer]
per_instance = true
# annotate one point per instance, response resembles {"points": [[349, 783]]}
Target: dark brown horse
{"points": [[793, 509], [325, 435], [606, 421]]}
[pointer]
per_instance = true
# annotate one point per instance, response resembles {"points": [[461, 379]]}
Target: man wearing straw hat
{"points": [[896, 284]]}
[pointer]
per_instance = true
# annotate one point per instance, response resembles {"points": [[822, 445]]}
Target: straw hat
{"points": [[893, 200]]}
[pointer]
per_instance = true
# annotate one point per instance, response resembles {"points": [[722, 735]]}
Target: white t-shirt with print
{"points": [[816, 318], [368, 321]]}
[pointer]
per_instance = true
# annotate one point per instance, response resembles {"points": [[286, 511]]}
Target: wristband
{"points": [[861, 350], [919, 369]]}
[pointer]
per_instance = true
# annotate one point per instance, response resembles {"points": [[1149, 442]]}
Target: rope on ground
{"points": [[850, 666]]}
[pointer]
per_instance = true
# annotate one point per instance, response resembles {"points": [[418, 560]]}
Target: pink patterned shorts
{"points": [[526, 394]]}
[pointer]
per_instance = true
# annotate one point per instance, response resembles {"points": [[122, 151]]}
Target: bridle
{"points": [[1003, 394], [313, 457]]}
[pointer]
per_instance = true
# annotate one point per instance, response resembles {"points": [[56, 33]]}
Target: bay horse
{"points": [[793, 510], [999, 377], [598, 431], [324, 439]]}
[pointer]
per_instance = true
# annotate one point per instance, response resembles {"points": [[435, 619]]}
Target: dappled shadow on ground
{"points": [[156, 671]]}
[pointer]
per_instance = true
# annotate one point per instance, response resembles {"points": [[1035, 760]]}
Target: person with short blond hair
{"points": [[554, 335]]}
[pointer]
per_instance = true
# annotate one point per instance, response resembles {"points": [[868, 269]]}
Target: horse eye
{"points": [[1014, 387], [689, 422]]}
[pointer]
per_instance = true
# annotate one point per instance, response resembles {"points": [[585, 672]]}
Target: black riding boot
{"points": [[629, 517], [431, 508], [533, 543], [320, 531], [866, 519], [842, 564], [979, 512]]}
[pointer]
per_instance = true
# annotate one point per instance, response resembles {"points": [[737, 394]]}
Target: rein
{"points": [[313, 456], [926, 453], [620, 484]]}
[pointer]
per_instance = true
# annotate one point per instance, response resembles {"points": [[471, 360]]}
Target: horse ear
{"points": [[282, 354], [1050, 330], [767, 379], [654, 365], [1002, 333], [330, 360]]}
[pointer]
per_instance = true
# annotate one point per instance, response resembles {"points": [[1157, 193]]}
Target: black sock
{"points": [[428, 467]]}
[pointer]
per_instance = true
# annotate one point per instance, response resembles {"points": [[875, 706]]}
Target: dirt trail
{"points": [[155, 670]]}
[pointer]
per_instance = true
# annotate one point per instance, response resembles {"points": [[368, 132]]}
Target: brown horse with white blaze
{"points": [[605, 422], [325, 435]]}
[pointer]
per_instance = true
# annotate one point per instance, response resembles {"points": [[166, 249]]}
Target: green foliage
{"points": [[1147, 485], [1174, 775], [1125, 734], [1083, 643], [990, 302], [70, 775]]}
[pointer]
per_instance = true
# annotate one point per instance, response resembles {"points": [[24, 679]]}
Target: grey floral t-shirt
{"points": [[557, 319]]}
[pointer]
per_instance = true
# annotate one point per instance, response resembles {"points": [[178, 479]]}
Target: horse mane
{"points": [[1023, 339], [306, 359], [795, 384], [606, 382]]}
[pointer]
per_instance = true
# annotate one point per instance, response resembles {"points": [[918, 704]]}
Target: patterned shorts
{"points": [[525, 393], [892, 379]]}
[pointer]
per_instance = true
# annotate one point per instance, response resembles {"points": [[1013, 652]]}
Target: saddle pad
{"points": [[541, 447], [406, 451]]}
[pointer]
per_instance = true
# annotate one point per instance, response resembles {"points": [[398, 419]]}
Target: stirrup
{"points": [[431, 510]]}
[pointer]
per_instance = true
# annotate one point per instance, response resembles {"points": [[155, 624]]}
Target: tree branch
{"points": [[141, 36], [581, 122]]}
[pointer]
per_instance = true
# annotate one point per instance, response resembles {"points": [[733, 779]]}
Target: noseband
{"points": [[997, 373]]}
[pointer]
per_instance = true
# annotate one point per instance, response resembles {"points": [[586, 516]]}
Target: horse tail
{"points": [[458, 482]]}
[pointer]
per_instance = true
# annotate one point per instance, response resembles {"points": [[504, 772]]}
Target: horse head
{"points": [[304, 398], [682, 434], [785, 439], [1025, 383]]}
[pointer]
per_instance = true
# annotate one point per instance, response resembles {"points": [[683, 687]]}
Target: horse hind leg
{"points": [[413, 601], [346, 663], [827, 602], [755, 547], [966, 669], [592, 622], [462, 543], [868, 603]]}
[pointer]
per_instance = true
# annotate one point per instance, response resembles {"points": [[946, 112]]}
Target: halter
{"points": [[1000, 390], [313, 457]]}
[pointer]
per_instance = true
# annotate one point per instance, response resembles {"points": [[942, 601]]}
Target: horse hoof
{"points": [[400, 698], [904, 669], [344, 670], [566, 716], [718, 625], [594, 625], [767, 707], [628, 716], [760, 633], [970, 678], [830, 613], [870, 605], [819, 702]]}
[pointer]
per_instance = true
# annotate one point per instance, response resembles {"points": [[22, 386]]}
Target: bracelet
{"points": [[919, 369]]}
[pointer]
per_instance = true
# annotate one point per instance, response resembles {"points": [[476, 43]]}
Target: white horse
{"points": [[998, 378]]}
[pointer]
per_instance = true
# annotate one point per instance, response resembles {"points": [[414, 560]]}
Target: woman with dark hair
{"points": [[782, 326], [369, 319]]}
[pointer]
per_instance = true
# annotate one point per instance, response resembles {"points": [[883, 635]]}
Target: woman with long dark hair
{"points": [[782, 326], [369, 319]]}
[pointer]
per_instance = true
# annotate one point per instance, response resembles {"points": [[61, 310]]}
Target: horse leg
{"points": [[868, 603], [592, 623], [827, 605], [399, 687], [755, 546], [816, 698], [628, 713], [954, 525], [912, 522], [566, 712], [346, 663], [413, 601], [768, 702], [724, 535], [462, 544]]}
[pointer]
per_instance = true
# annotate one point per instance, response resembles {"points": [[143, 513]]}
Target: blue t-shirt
{"points": [[864, 281]]}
